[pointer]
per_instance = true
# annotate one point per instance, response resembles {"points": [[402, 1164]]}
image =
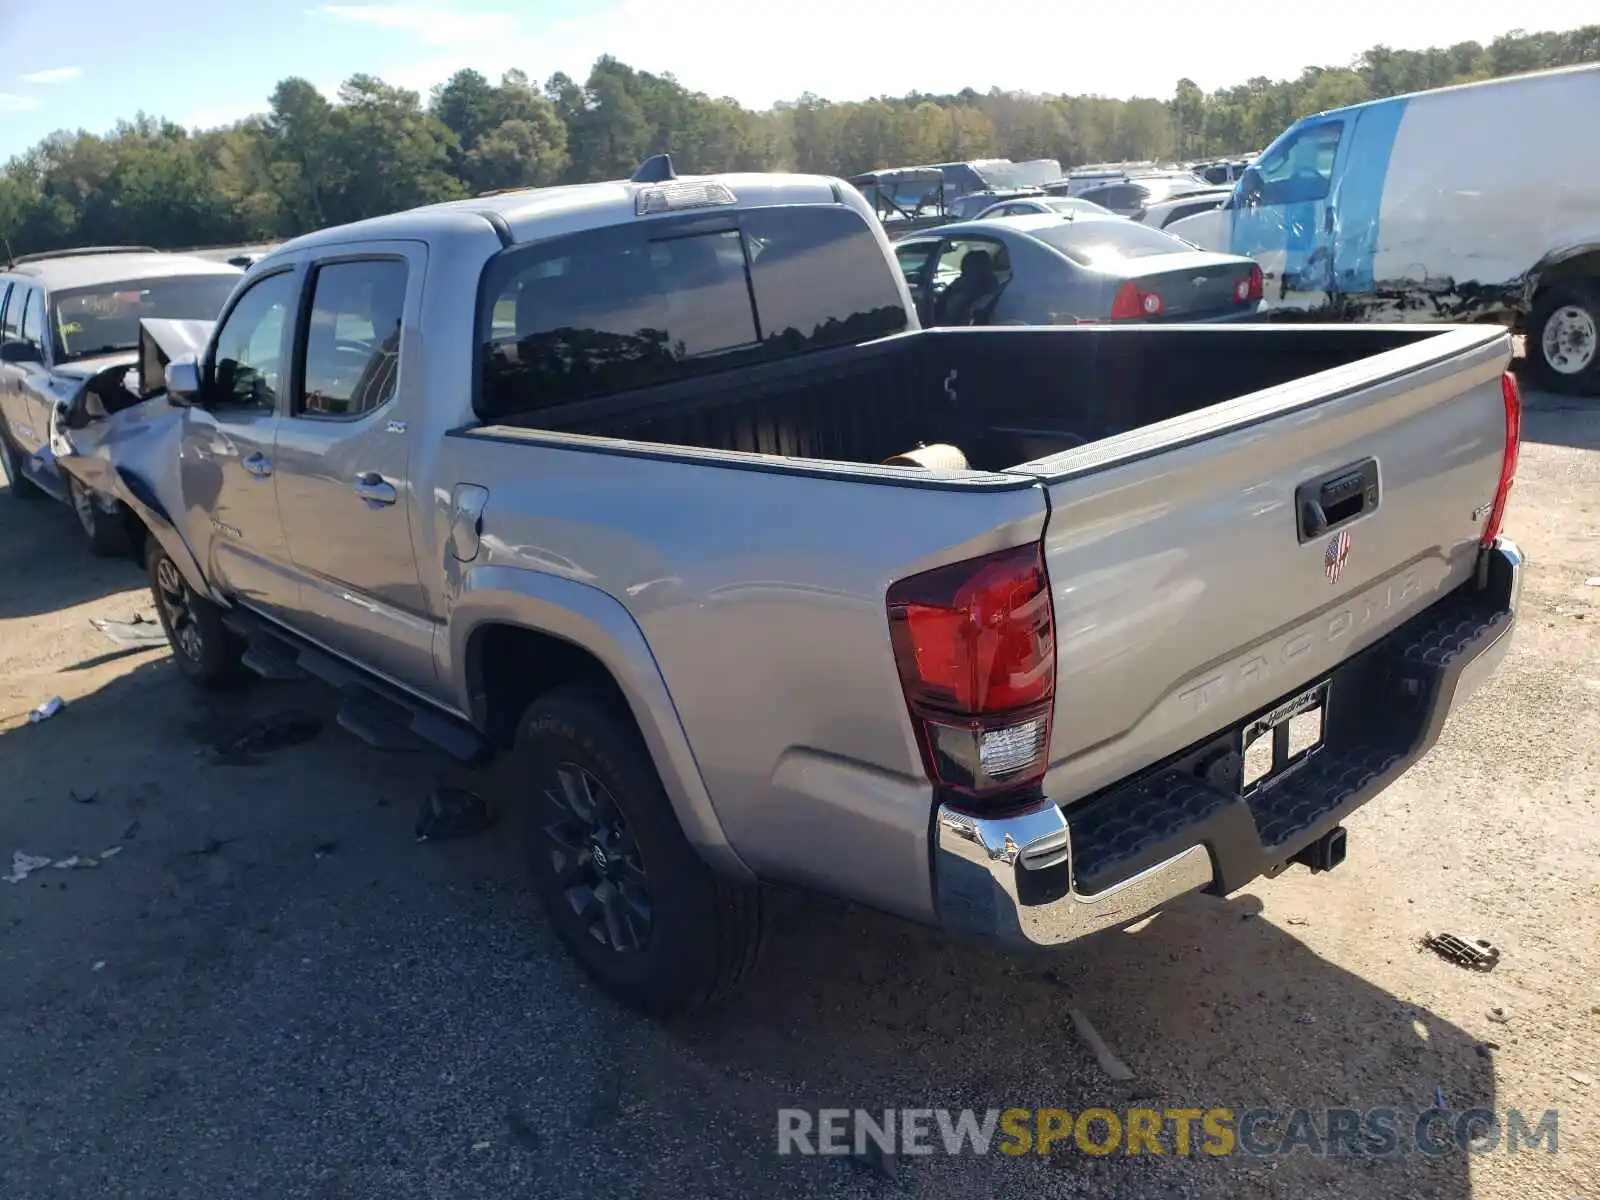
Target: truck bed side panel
{"points": [[761, 593], [1184, 597]]}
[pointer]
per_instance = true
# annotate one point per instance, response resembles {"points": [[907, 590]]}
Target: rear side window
{"points": [[352, 340], [33, 322], [612, 310]]}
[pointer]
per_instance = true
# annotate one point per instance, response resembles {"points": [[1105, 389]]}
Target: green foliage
{"points": [[308, 162]]}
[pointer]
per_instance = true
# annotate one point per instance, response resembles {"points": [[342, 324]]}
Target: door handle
{"points": [[375, 489], [259, 465]]}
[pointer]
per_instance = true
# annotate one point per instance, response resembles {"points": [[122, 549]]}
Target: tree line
{"points": [[308, 162]]}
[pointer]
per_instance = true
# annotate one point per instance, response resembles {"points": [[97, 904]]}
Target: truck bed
{"points": [[1002, 396], [1158, 468]]}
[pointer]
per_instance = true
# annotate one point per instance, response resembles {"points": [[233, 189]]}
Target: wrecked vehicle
{"points": [[1467, 203], [69, 335], [656, 490]]}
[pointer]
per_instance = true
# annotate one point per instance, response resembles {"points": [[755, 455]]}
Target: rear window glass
{"points": [[1088, 243], [611, 310]]}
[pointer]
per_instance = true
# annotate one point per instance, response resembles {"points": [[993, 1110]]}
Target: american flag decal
{"points": [[1333, 557]]}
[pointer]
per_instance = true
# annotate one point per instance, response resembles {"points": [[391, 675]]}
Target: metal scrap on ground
{"points": [[1475, 955]]}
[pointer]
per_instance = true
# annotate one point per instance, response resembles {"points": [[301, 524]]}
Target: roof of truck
{"points": [[89, 270], [532, 214]]}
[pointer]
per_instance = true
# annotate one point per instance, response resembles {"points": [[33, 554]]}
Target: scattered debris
{"points": [[279, 731], [1579, 1078], [323, 849], [1438, 1098], [1476, 955], [76, 862], [23, 865], [1113, 1066], [476, 1146], [1297, 921], [89, 798], [132, 830], [139, 631], [110, 852], [100, 965], [451, 812], [1500, 1016], [46, 710]]}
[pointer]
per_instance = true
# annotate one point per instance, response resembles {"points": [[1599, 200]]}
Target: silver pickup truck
{"points": [[656, 487]]}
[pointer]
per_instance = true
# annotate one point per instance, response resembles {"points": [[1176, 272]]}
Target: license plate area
{"points": [[1279, 741]]}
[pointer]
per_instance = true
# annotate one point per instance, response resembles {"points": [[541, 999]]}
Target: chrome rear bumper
{"points": [[1016, 878]]}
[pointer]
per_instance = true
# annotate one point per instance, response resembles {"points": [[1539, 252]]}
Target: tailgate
{"points": [[1187, 593]]}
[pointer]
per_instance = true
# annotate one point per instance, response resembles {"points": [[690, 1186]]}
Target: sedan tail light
{"points": [[1249, 288], [1131, 303]]}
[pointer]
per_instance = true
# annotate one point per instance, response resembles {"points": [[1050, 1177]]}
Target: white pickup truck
{"points": [[656, 487]]}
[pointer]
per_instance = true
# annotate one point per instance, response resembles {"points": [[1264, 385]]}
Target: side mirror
{"points": [[20, 352], [183, 382]]}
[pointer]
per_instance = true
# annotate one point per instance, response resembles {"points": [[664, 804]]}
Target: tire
{"points": [[205, 651], [682, 936], [22, 487], [1566, 322], [105, 532]]}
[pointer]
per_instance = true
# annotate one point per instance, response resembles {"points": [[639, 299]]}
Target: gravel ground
{"points": [[272, 989]]}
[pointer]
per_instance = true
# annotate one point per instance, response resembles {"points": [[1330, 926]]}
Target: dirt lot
{"points": [[273, 989]]}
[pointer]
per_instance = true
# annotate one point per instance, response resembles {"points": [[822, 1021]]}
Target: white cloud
{"points": [[10, 102], [53, 75], [429, 25]]}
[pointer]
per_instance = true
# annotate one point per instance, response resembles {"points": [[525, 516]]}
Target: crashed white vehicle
{"points": [[1466, 203], [70, 329]]}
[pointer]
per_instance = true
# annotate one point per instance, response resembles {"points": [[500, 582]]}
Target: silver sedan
{"points": [[1032, 205], [1054, 269]]}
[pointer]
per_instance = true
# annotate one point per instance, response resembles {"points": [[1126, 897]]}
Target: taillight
{"points": [[1512, 395], [1130, 302], [1250, 287], [975, 646]]}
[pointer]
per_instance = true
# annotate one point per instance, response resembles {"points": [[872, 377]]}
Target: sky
{"points": [[210, 62]]}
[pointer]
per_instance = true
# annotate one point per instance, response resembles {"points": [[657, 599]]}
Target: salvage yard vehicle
{"points": [[1468, 203], [1066, 268], [1017, 207], [70, 322], [645, 513]]}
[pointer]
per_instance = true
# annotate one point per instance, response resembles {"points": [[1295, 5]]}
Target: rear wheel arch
{"points": [[1576, 262], [543, 633]]}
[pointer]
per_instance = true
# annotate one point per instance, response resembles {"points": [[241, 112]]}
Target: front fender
{"points": [[594, 621], [132, 456]]}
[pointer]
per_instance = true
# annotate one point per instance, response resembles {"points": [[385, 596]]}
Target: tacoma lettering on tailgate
{"points": [[1252, 672]]}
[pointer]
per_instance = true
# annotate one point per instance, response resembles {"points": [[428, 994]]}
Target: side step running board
{"points": [[378, 713]]}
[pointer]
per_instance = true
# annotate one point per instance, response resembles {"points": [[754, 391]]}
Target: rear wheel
{"points": [[624, 889], [21, 487], [1563, 345], [204, 650], [105, 531]]}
